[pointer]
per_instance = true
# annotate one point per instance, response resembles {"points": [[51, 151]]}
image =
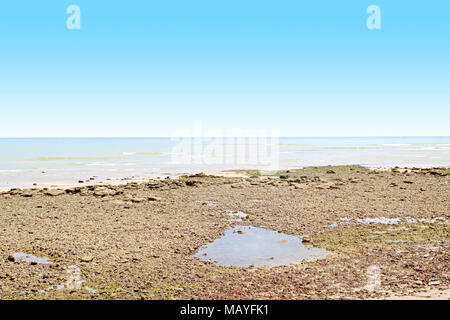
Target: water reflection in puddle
{"points": [[20, 256], [243, 246]]}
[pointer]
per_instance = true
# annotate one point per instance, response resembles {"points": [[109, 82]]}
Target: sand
{"points": [[137, 241]]}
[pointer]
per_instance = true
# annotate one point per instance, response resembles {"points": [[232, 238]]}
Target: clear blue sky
{"points": [[148, 68]]}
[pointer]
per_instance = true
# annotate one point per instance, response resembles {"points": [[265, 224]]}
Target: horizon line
{"points": [[207, 137]]}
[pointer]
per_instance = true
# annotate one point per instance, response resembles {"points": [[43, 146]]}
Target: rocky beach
{"points": [[386, 233]]}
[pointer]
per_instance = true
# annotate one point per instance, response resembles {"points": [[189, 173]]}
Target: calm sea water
{"points": [[27, 161]]}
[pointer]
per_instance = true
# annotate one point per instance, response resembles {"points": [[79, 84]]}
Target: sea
{"points": [[28, 162]]}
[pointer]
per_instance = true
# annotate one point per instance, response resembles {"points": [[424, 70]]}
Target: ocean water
{"points": [[42, 161]]}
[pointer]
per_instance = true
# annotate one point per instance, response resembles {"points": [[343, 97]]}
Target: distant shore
{"points": [[40, 162]]}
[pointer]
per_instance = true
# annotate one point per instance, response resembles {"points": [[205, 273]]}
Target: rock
{"points": [[306, 240], [103, 192], [408, 182], [11, 258], [14, 192], [300, 186], [326, 186], [73, 190], [87, 259], [434, 282], [237, 186], [330, 172], [284, 177], [154, 185], [154, 199], [137, 200], [192, 183], [54, 192]]}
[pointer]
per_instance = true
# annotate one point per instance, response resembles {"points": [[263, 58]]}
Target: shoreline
{"points": [[232, 173], [138, 240]]}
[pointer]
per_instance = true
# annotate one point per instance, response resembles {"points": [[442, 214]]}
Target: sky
{"points": [[151, 68]]}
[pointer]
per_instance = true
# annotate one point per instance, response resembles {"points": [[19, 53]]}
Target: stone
{"points": [[326, 186], [11, 258], [306, 240], [103, 192], [14, 192], [137, 200], [192, 183], [87, 259], [73, 190], [54, 192], [154, 199]]}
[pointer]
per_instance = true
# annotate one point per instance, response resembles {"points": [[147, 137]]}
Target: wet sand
{"points": [[138, 241]]}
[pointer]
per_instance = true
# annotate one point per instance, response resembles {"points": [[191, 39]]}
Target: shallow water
{"points": [[20, 256], [237, 216], [243, 246], [54, 161], [387, 221]]}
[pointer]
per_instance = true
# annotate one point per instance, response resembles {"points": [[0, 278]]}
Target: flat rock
{"points": [[103, 192], [54, 192]]}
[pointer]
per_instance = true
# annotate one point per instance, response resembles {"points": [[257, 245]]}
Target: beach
{"points": [[385, 233]]}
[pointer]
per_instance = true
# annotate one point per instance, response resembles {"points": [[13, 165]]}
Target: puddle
{"points": [[244, 246], [387, 221], [236, 215], [20, 256], [73, 282], [381, 220]]}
